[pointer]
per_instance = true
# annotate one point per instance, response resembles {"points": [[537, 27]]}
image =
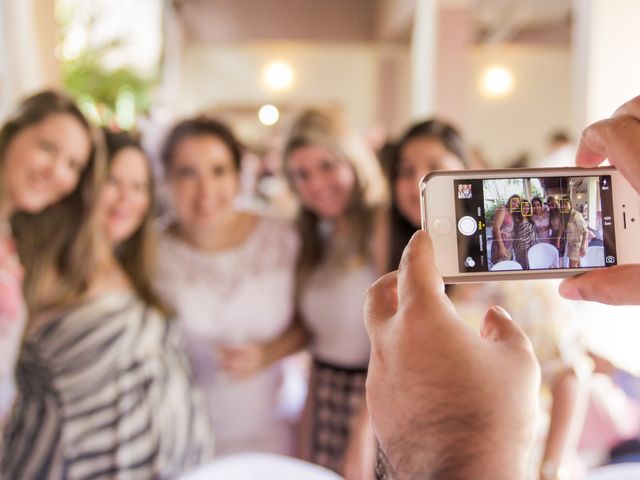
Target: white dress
{"points": [[331, 304], [244, 294]]}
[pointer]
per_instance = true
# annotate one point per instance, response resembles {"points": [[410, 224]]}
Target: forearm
{"points": [[461, 447], [10, 338], [291, 341], [565, 396]]}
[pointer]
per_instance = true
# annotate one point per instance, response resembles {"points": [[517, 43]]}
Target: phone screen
{"points": [[533, 223]]}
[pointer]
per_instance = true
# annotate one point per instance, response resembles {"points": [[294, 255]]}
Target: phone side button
{"points": [[441, 226]]}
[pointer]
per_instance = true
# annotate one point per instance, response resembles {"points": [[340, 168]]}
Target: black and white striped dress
{"points": [[105, 391]]}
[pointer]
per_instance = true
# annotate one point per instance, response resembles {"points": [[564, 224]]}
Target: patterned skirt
{"points": [[336, 395]]}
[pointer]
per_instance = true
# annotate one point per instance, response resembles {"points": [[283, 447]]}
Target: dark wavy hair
{"points": [[451, 139], [201, 126]]}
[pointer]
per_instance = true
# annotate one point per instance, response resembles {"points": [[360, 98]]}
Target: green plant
{"points": [[107, 95]]}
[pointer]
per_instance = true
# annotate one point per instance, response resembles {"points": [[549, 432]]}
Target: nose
{"points": [[56, 171], [314, 183]]}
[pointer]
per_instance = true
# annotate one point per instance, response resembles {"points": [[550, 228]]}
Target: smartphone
{"points": [[529, 223]]}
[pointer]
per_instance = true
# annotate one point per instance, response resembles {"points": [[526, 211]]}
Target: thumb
{"points": [[498, 326], [617, 285]]}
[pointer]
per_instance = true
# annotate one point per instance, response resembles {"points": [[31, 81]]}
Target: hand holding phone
{"points": [[529, 223], [616, 139]]}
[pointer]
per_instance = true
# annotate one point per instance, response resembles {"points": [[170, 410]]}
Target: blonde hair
{"points": [[326, 129], [57, 246]]}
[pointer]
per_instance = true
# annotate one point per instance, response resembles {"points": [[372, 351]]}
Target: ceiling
{"points": [[494, 21]]}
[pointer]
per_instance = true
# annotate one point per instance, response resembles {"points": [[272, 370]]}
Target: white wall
{"points": [[346, 75], [540, 102], [606, 36]]}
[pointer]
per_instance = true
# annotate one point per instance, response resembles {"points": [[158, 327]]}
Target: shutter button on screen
{"points": [[467, 226], [441, 226]]}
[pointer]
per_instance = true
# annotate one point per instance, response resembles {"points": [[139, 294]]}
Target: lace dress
{"points": [[240, 295]]}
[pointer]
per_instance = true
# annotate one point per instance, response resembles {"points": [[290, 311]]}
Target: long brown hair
{"points": [[137, 254], [451, 139], [59, 242], [370, 195]]}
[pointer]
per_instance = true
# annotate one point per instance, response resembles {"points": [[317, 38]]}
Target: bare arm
{"points": [[361, 449], [246, 360], [563, 414]]}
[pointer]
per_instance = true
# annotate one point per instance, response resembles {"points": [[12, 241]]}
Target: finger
{"points": [[618, 285], [381, 300], [498, 326], [617, 139], [629, 109], [594, 142], [419, 281]]}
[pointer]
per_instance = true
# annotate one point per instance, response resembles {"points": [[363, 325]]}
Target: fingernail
{"points": [[501, 311], [568, 291]]}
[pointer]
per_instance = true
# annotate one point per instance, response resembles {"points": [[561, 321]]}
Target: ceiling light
{"points": [[268, 115], [497, 81], [278, 76]]}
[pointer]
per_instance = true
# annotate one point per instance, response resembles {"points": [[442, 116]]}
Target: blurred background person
{"points": [[575, 232], [535, 306], [561, 151], [502, 230], [525, 234], [426, 146], [342, 226], [45, 145], [229, 275], [540, 217], [104, 387]]}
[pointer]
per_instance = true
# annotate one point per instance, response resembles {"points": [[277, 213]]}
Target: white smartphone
{"points": [[529, 223]]}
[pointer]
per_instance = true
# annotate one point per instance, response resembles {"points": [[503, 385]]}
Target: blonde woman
{"points": [[341, 222], [104, 390]]}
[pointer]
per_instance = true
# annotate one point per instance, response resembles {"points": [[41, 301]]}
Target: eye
{"points": [[141, 187], [47, 146], [327, 165], [76, 165], [406, 171], [184, 173], [220, 170], [299, 175]]}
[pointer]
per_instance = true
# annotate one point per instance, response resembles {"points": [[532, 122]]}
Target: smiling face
{"points": [[126, 197], [514, 204], [418, 157], [324, 183], [203, 180], [537, 207], [44, 161]]}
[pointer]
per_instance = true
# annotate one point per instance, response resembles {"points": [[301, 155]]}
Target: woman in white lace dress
{"points": [[229, 275]]}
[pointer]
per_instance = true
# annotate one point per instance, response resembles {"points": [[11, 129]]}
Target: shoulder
{"points": [[275, 229]]}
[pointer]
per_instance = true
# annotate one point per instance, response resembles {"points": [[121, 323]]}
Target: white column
{"points": [[606, 62], [28, 43], [423, 59]]}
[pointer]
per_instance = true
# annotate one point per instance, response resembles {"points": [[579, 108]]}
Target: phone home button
{"points": [[441, 226], [467, 226]]}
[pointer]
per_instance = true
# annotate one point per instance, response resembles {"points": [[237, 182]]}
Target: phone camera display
{"points": [[535, 223]]}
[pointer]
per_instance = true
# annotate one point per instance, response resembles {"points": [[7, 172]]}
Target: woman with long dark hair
{"points": [[525, 234]]}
